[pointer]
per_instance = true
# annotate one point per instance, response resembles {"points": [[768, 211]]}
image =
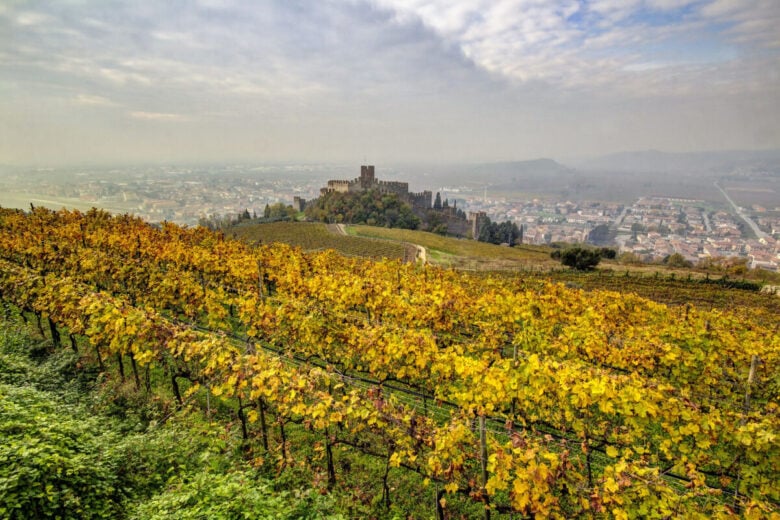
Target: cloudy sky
{"points": [[100, 81]]}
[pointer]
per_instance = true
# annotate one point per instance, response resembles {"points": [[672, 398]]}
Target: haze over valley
{"points": [[558, 116]]}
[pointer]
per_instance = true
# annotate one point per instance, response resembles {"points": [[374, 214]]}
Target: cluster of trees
{"points": [[279, 211], [272, 213], [369, 207], [437, 217], [583, 258], [438, 205], [500, 233], [677, 260]]}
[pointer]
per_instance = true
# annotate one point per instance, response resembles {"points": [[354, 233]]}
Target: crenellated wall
{"points": [[420, 202]]}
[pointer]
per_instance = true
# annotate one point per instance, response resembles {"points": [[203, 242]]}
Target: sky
{"points": [[383, 81]]}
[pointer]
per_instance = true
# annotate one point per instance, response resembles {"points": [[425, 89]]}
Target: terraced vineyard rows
{"points": [[311, 236], [677, 290], [610, 404], [463, 253], [526, 263]]}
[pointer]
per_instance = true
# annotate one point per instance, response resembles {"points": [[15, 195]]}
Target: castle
{"points": [[453, 220], [420, 202]]}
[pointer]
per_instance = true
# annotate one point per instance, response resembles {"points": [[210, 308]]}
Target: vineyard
{"points": [[311, 236], [500, 396], [463, 253], [705, 293]]}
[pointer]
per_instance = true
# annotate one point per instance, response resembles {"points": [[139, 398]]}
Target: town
{"points": [[651, 228]]}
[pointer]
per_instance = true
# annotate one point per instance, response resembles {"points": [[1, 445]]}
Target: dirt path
{"points": [[421, 254], [337, 229]]}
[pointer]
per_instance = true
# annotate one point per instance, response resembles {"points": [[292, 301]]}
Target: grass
{"points": [[463, 253], [314, 236]]}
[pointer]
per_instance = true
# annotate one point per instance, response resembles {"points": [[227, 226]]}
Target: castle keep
{"points": [[420, 202]]}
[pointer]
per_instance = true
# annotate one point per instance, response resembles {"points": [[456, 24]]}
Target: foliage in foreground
{"points": [[66, 455]]}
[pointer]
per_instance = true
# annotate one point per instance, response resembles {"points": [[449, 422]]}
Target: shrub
{"points": [[677, 260], [579, 258], [234, 494]]}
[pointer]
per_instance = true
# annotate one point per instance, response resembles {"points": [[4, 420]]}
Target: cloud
{"points": [[573, 44], [416, 77], [31, 18], [87, 99], [159, 116], [748, 21]]}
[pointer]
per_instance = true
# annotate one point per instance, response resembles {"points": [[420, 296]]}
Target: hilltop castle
{"points": [[449, 218], [420, 202]]}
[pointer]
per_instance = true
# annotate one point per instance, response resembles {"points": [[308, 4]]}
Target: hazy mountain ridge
{"points": [[645, 161]]}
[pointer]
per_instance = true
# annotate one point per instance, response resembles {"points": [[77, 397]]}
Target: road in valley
{"points": [[740, 214]]}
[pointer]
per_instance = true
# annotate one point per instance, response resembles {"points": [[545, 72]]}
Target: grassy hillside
{"points": [[463, 253], [313, 236], [379, 242]]}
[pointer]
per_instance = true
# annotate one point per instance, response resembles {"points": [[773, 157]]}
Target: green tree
{"points": [[579, 258], [677, 260], [608, 253], [505, 232], [369, 207]]}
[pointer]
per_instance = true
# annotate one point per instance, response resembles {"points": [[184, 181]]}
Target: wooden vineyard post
{"points": [[121, 366], [746, 409], [751, 378], [55, 334], [260, 280], [514, 366], [261, 406], [134, 366], [483, 462]]}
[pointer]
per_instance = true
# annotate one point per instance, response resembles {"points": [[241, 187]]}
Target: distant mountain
{"points": [[508, 170], [655, 161], [499, 173]]}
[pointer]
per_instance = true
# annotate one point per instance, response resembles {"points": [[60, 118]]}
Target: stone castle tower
{"points": [[420, 202]]}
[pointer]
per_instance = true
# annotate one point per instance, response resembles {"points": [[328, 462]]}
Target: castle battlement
{"points": [[420, 201]]}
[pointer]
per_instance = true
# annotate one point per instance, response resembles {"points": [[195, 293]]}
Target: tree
{"points": [[279, 211], [435, 222], [677, 260], [437, 202], [599, 235], [369, 207], [629, 258], [505, 232], [579, 258], [608, 253]]}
